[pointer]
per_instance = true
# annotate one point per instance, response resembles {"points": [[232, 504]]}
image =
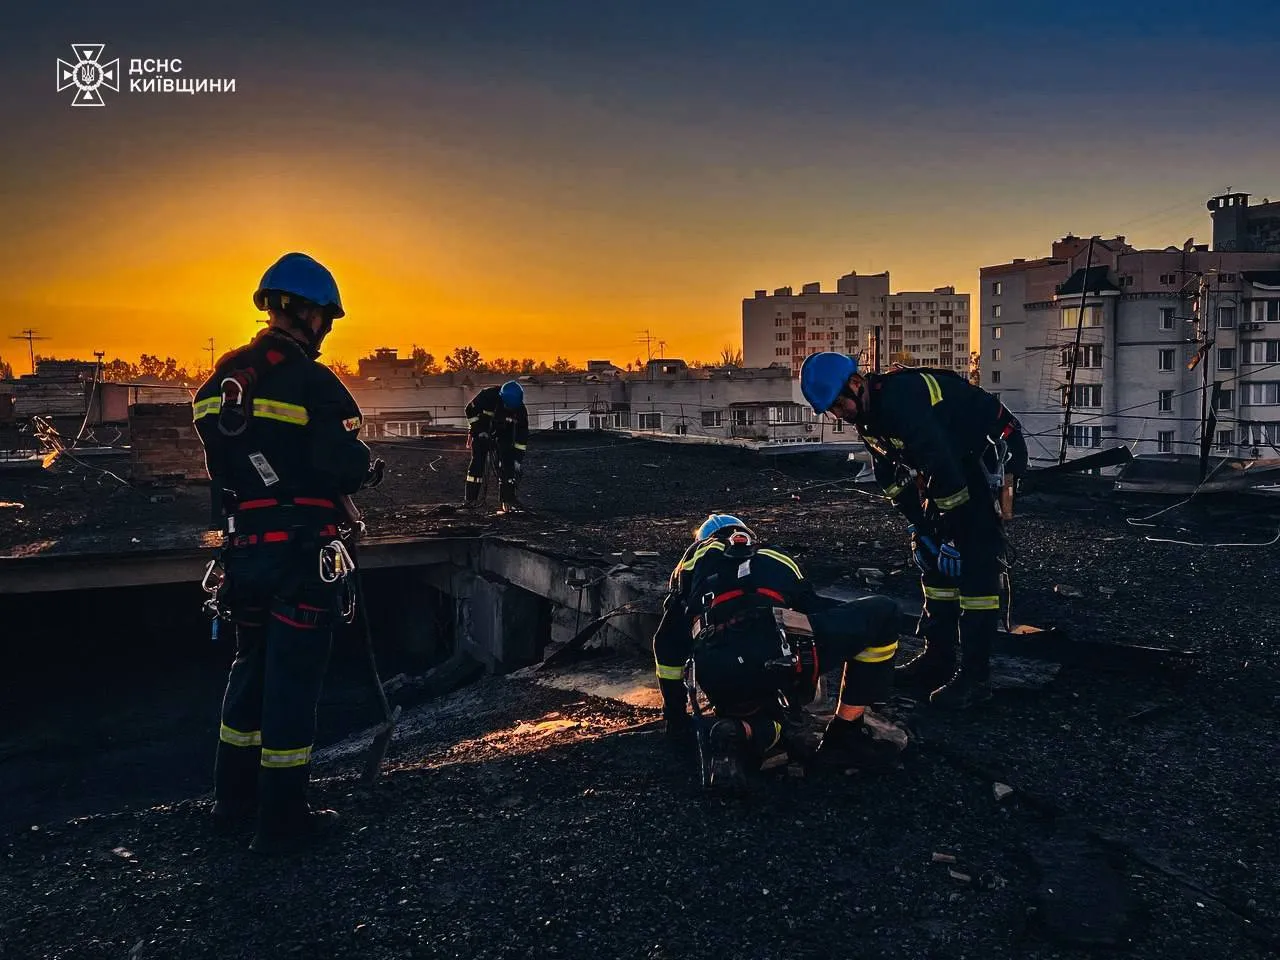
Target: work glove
{"points": [[377, 469], [949, 561], [924, 550]]}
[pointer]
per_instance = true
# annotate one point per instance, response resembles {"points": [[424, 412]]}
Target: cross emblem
{"points": [[87, 74]]}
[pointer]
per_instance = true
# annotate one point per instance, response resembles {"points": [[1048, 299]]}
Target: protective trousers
{"points": [[269, 709], [981, 544], [939, 623], [481, 449], [863, 634]]}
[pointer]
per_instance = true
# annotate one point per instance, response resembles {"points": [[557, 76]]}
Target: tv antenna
{"points": [[30, 336], [648, 340]]}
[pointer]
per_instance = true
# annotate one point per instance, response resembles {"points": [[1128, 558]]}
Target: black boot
{"points": [[727, 741], [235, 787], [929, 669], [286, 823], [971, 684], [849, 744], [471, 496]]}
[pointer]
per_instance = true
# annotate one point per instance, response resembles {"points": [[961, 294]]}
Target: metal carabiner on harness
{"points": [[212, 582], [335, 562], [232, 395]]}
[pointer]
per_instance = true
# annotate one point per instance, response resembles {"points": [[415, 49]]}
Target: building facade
{"points": [[1166, 337], [926, 328]]}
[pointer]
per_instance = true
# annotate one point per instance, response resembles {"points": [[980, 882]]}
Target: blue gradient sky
{"points": [[553, 177]]}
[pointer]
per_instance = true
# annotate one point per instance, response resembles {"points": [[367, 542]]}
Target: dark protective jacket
{"points": [[301, 435], [712, 582], [486, 413], [932, 422]]}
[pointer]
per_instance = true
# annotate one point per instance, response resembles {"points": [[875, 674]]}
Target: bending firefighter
{"points": [[280, 433], [498, 425], [940, 447], [727, 599]]}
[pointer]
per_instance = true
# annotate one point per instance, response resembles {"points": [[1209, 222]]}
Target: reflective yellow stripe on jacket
{"points": [[935, 391], [263, 407], [286, 758]]}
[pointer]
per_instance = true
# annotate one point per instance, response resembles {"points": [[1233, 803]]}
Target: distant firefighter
{"points": [[941, 448], [498, 425], [727, 600], [281, 438]]}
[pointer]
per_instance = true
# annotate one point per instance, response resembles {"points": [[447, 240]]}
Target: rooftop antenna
{"points": [[30, 336], [647, 340]]}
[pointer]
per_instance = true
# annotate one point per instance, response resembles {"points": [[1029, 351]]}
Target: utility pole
{"points": [[212, 362], [662, 349], [30, 336], [1075, 357]]}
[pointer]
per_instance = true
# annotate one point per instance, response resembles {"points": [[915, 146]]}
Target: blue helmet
{"points": [[716, 522], [298, 275], [512, 394], [823, 376]]}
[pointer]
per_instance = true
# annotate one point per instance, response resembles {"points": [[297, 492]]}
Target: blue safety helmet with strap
{"points": [[716, 522], [298, 275], [824, 376], [512, 394]]}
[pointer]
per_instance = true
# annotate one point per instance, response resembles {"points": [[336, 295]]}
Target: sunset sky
{"points": [[536, 177]]}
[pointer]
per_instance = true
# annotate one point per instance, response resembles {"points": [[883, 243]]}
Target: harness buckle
{"points": [[335, 562]]}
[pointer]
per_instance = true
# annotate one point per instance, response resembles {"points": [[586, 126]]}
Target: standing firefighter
{"points": [[280, 433], [723, 611], [940, 447], [498, 425]]}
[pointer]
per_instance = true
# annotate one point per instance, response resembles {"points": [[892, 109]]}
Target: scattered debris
{"points": [[990, 880], [1001, 790], [11, 505], [123, 853], [1107, 592], [943, 857], [957, 875], [1066, 590]]}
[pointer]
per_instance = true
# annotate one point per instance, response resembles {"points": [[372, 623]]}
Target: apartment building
{"points": [[667, 397], [930, 328], [1154, 323]]}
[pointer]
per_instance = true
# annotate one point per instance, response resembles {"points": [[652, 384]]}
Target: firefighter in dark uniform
{"points": [[497, 425], [940, 447], [720, 611], [281, 438]]}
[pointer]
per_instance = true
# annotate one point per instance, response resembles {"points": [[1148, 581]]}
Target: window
{"points": [[1166, 318], [1260, 351], [1166, 401], [649, 421], [1266, 311], [997, 287], [997, 333], [997, 353], [1260, 394], [1092, 316], [564, 424], [787, 413], [1165, 361], [1086, 395], [996, 311], [995, 376], [1226, 438], [1226, 278], [1164, 441], [743, 417], [1226, 358], [1084, 437], [1226, 400], [1169, 278], [838, 427], [1090, 355], [1226, 317], [712, 418]]}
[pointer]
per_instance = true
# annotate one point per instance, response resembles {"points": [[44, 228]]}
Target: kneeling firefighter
{"points": [[281, 439], [726, 600], [941, 448], [497, 425]]}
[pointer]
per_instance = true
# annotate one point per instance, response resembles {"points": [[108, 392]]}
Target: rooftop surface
{"points": [[520, 820]]}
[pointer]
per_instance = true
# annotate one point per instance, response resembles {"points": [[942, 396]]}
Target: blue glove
{"points": [[949, 561], [924, 551]]}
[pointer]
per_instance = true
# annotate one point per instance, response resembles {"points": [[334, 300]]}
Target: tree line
{"points": [[469, 360]]}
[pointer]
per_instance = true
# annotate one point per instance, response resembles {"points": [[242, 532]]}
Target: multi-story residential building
{"points": [[921, 328], [1156, 325]]}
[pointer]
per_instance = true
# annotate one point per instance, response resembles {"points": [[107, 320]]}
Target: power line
{"points": [[30, 336]]}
